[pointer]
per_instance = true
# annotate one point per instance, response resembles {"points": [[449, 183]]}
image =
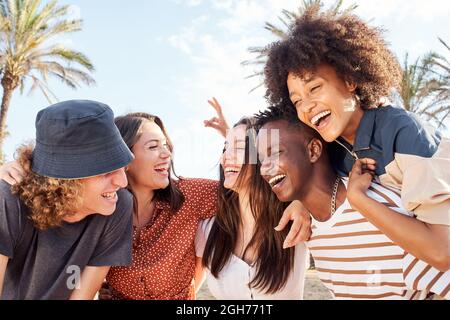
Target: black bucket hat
{"points": [[78, 139]]}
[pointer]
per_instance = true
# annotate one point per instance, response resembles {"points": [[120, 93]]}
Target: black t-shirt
{"points": [[46, 264]]}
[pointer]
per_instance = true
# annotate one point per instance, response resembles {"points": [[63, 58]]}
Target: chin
{"points": [[328, 136], [106, 211], [286, 196], [163, 185], [332, 134], [282, 197], [229, 184]]}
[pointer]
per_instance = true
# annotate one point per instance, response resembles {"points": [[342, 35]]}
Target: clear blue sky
{"points": [[167, 57]]}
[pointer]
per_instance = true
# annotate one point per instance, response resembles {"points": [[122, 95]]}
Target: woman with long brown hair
{"points": [[166, 215], [243, 254]]}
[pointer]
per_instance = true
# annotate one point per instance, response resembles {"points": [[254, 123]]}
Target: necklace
{"points": [[333, 196]]}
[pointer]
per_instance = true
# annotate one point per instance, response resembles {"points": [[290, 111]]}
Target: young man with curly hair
{"points": [[336, 70], [67, 221]]}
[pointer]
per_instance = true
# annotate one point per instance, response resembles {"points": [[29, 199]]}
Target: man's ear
{"points": [[315, 148], [350, 86]]}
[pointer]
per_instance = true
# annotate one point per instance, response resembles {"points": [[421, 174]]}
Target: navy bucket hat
{"points": [[78, 139]]}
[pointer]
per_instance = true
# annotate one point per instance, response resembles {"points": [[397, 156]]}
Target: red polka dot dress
{"points": [[163, 251]]}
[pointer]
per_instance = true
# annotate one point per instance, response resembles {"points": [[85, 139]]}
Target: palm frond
{"points": [[287, 19], [444, 117], [43, 87], [425, 87], [444, 43], [25, 27]]}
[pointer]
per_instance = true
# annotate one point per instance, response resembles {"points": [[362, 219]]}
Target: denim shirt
{"points": [[411, 156], [382, 133]]}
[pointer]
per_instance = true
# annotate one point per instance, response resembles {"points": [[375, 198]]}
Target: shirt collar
{"points": [[365, 130]]}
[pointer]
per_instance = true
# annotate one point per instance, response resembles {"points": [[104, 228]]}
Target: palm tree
{"points": [[416, 87], [440, 70], [425, 87], [287, 20], [28, 51]]}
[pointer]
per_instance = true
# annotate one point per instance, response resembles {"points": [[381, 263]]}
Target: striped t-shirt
{"points": [[355, 260]]}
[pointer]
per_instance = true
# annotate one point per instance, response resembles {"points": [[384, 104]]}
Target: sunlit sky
{"points": [[167, 57]]}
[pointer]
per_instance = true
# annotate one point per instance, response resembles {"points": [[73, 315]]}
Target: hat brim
{"points": [[84, 165]]}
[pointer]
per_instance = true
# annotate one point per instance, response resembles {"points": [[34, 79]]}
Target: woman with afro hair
{"points": [[336, 71]]}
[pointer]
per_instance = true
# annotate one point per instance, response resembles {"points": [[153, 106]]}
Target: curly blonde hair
{"points": [[49, 199]]}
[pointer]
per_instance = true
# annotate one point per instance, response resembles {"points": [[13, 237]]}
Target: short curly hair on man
{"points": [[287, 113], [356, 51], [49, 200]]}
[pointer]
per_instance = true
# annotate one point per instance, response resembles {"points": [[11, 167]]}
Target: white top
{"points": [[233, 280]]}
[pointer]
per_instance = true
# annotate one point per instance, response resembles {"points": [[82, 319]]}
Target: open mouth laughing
{"points": [[231, 170], [277, 181], [111, 196], [320, 120], [163, 168]]}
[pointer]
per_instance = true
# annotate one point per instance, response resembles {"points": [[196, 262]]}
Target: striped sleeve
{"points": [[355, 260], [420, 276]]}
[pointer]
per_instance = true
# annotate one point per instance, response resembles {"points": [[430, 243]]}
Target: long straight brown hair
{"points": [[273, 263], [129, 126]]}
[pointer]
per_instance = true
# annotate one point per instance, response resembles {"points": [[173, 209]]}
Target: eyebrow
{"points": [[153, 140], [270, 147], [236, 141], [306, 81]]}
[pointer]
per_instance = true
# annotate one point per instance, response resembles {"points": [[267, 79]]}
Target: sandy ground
{"points": [[314, 290]]}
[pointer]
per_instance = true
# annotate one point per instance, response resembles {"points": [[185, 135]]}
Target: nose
{"points": [[266, 167], [165, 153], [306, 106], [119, 178], [225, 158], [228, 155]]}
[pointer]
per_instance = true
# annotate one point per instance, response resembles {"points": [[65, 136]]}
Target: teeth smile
{"points": [[277, 179], [109, 195], [315, 120], [231, 170]]}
